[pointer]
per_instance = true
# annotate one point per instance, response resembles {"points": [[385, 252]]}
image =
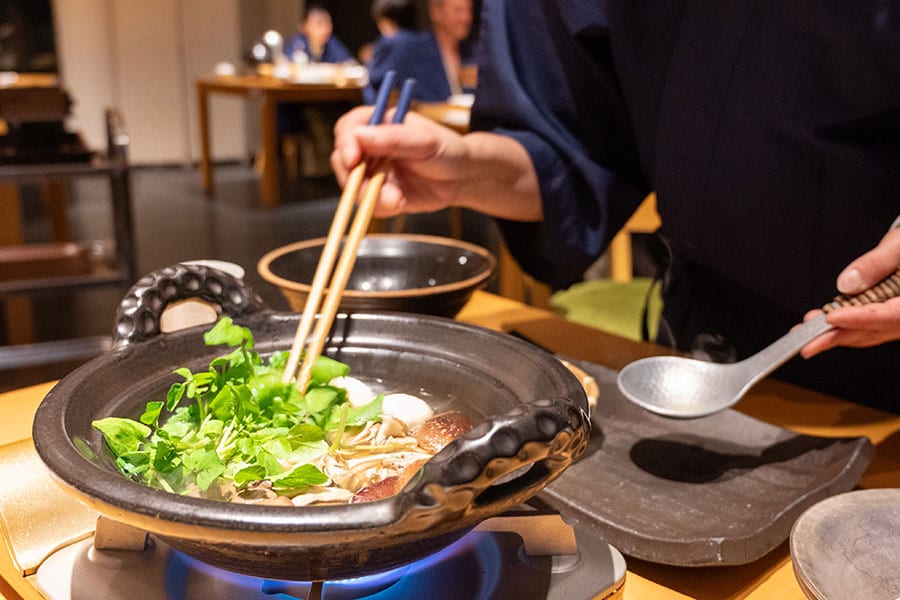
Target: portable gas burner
{"points": [[57, 549]]}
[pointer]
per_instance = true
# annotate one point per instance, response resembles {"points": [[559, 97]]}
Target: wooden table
{"points": [[770, 577], [270, 91]]}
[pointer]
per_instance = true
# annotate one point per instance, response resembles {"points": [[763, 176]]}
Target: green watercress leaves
{"points": [[236, 423]]}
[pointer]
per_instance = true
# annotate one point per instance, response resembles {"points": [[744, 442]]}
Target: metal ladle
{"points": [[687, 388]]}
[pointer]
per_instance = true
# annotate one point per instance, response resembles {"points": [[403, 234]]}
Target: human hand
{"points": [[427, 160], [870, 324]]}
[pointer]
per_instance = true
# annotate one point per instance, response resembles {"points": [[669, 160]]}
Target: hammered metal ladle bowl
{"points": [[675, 386]]}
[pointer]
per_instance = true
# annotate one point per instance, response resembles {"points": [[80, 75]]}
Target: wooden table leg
{"points": [[269, 183], [205, 159], [18, 312], [10, 214]]}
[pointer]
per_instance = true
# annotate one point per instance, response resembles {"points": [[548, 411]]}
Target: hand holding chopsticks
{"points": [[326, 267]]}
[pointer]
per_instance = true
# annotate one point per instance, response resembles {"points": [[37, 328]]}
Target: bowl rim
{"points": [[263, 267]]}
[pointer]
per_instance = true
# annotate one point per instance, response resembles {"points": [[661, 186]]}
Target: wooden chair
{"points": [[644, 220], [517, 284], [616, 303], [514, 283]]}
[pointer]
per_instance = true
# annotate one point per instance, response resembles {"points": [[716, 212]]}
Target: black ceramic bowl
{"points": [[530, 414], [396, 272]]}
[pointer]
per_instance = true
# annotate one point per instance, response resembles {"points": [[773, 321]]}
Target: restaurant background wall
{"points": [[143, 58]]}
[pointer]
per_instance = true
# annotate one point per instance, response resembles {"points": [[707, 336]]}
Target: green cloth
{"points": [[611, 306]]}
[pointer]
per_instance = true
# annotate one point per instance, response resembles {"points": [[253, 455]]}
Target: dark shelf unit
{"points": [[120, 270]]}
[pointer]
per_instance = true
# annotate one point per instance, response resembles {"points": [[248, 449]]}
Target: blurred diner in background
{"points": [[305, 130], [441, 59], [314, 40], [391, 17]]}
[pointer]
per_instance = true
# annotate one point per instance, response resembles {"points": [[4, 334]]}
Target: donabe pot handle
{"points": [[506, 459], [138, 316]]}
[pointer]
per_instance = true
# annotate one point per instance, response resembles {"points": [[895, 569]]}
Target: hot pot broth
{"points": [[234, 432]]}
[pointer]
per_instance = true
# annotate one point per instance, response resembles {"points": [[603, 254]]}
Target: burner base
{"points": [[482, 565]]}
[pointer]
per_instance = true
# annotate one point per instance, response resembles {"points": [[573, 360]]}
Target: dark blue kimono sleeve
{"points": [[546, 79]]}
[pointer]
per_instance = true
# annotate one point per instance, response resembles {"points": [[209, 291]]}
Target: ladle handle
{"points": [[778, 352], [773, 356], [139, 313], [887, 289]]}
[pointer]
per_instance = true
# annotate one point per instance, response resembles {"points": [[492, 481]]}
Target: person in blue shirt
{"points": [[315, 40], [391, 17], [770, 133], [308, 127], [435, 58]]}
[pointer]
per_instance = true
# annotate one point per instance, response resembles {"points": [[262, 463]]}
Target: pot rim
{"points": [[536, 428], [115, 495]]}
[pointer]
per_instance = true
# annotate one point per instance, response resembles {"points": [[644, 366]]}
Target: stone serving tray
{"points": [[721, 490]]}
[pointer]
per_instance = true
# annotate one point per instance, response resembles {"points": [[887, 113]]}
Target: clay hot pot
{"points": [[530, 414]]}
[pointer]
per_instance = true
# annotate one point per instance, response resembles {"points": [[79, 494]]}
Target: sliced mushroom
{"points": [[440, 430], [388, 486]]}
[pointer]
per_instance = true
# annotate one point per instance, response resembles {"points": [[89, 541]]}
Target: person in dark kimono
{"points": [[435, 58], [391, 17], [770, 133]]}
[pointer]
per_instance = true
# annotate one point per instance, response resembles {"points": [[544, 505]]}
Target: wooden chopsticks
{"points": [[310, 349]]}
